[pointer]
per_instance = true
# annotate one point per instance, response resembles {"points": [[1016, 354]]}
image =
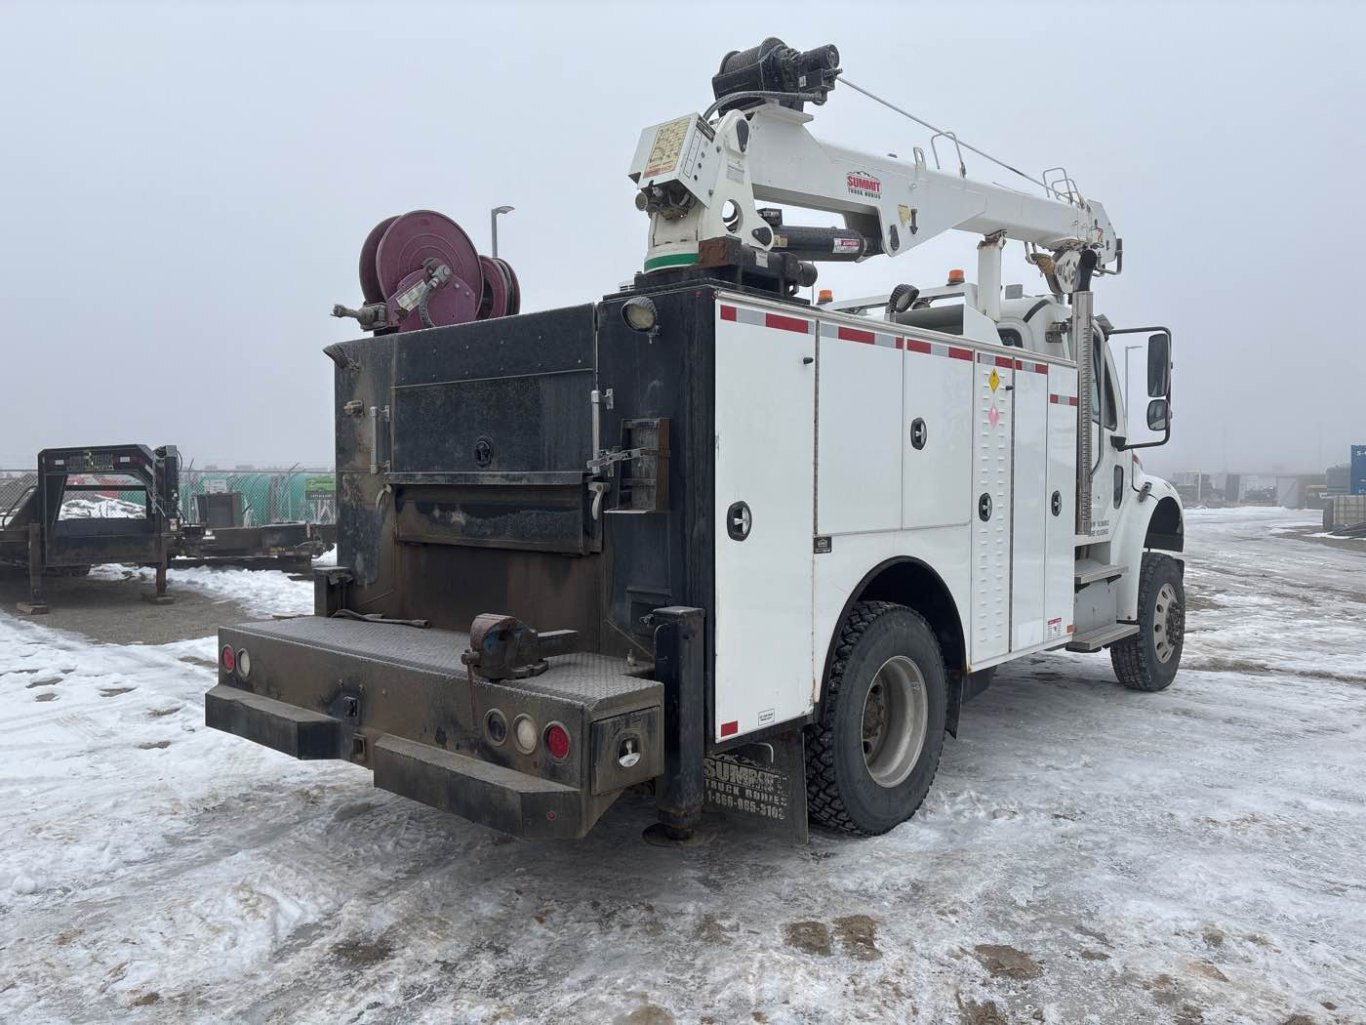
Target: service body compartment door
{"points": [[765, 392], [937, 435], [1030, 506], [991, 489], [858, 479], [1059, 583]]}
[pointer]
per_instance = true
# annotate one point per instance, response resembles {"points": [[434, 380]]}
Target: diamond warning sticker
{"points": [[994, 417], [994, 380]]}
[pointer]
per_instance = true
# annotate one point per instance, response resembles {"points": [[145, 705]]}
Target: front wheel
{"points": [[871, 758], [1149, 660]]}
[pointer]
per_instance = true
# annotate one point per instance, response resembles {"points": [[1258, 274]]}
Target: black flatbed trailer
{"points": [[38, 536], [287, 546], [41, 533]]}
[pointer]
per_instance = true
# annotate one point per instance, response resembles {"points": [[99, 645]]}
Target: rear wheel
{"points": [[872, 757], [1149, 660]]}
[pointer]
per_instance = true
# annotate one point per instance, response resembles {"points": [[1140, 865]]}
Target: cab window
{"points": [[1102, 366]]}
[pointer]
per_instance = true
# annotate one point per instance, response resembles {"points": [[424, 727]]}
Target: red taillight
{"points": [[229, 658], [557, 741]]}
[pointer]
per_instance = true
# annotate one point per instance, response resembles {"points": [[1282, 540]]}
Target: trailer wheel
{"points": [[1149, 660], [871, 758]]}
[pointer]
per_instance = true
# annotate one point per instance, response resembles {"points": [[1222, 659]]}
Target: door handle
{"points": [[739, 521]]}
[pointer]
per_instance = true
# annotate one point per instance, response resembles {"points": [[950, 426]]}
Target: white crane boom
{"points": [[702, 182], [789, 165]]}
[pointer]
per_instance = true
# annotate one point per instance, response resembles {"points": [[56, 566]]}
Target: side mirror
{"points": [[1159, 413], [1159, 366], [1145, 380]]}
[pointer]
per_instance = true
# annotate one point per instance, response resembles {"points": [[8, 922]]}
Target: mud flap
{"points": [[763, 783]]}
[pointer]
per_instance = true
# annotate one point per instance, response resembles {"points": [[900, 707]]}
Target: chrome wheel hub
{"points": [[895, 720], [1169, 622]]}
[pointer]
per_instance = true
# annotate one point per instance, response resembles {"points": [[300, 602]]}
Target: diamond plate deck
{"points": [[581, 676]]}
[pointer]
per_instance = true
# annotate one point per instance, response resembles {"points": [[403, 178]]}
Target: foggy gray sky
{"points": [[184, 188]]}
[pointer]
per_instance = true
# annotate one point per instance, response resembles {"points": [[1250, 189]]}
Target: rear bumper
{"points": [[271, 723], [493, 795], [398, 701]]}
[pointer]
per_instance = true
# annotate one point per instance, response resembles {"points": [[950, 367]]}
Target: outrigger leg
{"points": [[679, 652]]}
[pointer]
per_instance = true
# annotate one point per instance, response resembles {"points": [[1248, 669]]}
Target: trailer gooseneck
{"points": [[704, 537]]}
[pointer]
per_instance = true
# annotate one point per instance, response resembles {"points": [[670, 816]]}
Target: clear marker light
{"points": [[524, 731]]}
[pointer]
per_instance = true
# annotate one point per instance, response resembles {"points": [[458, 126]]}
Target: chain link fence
{"points": [[15, 486], [298, 494]]}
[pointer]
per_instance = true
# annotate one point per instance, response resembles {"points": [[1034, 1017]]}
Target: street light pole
{"points": [[493, 223]]}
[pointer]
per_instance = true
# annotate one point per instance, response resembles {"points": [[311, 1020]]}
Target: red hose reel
{"points": [[420, 270]]}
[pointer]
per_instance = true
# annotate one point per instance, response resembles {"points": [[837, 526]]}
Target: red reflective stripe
{"points": [[729, 729], [852, 334], [727, 312], [1072, 400], [1040, 368], [1004, 361], [786, 323], [916, 345], [960, 353], [1055, 399], [900, 343]]}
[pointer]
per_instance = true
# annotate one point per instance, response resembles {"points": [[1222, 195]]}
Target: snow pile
{"points": [[262, 593], [1087, 854], [101, 509]]}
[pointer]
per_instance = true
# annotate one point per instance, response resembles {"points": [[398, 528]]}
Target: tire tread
{"points": [[1129, 657], [823, 802]]}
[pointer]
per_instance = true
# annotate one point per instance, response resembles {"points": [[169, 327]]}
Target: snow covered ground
{"points": [[262, 593], [1087, 854]]}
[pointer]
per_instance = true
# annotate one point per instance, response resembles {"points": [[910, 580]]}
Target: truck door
{"points": [[1108, 478], [858, 477], [991, 515], [765, 495], [1030, 507], [1059, 584], [938, 435]]}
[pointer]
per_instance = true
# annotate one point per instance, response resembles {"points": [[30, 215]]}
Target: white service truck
{"points": [[780, 542]]}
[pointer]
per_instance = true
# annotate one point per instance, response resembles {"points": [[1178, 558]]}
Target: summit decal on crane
{"points": [[863, 184]]}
